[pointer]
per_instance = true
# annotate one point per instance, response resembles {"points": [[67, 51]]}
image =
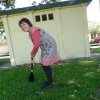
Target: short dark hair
{"points": [[26, 21]]}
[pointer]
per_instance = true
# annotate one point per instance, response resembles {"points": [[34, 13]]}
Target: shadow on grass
{"points": [[76, 80]]}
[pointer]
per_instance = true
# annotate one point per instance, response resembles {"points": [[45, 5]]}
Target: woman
{"points": [[48, 47]]}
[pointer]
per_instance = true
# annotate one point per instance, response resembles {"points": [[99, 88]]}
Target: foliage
{"points": [[95, 29], [48, 1], [1, 25], [8, 4], [34, 3]]}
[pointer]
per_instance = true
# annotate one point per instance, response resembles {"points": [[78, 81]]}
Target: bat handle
{"points": [[31, 58], [31, 64]]}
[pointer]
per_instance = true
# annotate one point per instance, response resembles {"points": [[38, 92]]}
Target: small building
{"points": [[66, 21]]}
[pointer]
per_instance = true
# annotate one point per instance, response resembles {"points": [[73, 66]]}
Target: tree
{"points": [[34, 3], [53, 0], [44, 1], [94, 31], [48, 1], [8, 4], [1, 27], [1, 24]]}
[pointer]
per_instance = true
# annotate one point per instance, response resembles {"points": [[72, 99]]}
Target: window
{"points": [[37, 18], [50, 16], [44, 17]]}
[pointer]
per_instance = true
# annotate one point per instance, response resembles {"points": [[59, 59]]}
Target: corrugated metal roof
{"points": [[43, 6]]}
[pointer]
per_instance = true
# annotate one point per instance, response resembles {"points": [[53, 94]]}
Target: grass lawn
{"points": [[78, 80], [95, 50]]}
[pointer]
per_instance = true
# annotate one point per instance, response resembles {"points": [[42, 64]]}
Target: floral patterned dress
{"points": [[47, 44]]}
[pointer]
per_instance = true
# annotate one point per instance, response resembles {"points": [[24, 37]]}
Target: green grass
{"points": [[95, 50], [4, 60], [78, 80]]}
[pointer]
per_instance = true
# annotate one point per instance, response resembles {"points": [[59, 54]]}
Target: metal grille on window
{"points": [[37, 18], [44, 17], [50, 16]]}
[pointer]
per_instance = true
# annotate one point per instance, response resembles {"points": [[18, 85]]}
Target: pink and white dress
{"points": [[47, 44]]}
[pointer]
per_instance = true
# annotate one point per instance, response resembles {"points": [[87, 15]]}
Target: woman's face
{"points": [[24, 26]]}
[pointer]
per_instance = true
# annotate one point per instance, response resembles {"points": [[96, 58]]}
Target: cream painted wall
{"points": [[21, 44], [74, 29], [11, 52], [85, 29]]}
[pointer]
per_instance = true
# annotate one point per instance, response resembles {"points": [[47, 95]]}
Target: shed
{"points": [[66, 21]]}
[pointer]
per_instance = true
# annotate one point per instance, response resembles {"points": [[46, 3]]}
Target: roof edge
{"points": [[43, 6]]}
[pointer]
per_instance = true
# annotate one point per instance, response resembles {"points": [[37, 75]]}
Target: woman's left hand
{"points": [[32, 60]]}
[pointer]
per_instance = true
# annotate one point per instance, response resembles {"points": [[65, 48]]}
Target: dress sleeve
{"points": [[36, 42]]}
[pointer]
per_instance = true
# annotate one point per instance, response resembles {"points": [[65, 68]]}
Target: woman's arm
{"points": [[36, 42]]}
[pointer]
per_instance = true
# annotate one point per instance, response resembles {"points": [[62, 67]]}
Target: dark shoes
{"points": [[47, 85]]}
